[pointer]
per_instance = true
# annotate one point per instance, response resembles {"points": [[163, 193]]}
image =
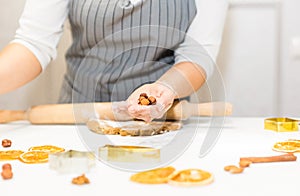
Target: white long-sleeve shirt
{"points": [[41, 26]]}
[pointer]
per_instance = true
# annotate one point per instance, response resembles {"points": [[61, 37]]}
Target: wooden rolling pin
{"points": [[82, 112]]}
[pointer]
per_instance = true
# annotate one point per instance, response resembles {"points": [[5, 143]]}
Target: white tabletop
{"points": [[240, 137]]}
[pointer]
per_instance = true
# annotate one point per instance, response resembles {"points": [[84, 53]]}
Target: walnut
{"points": [[80, 180]]}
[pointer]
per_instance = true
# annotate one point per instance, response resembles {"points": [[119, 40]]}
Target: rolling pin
{"points": [[82, 112]]}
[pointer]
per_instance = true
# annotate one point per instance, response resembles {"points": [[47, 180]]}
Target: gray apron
{"points": [[116, 47]]}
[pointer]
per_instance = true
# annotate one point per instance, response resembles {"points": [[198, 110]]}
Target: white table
{"points": [[240, 137]]}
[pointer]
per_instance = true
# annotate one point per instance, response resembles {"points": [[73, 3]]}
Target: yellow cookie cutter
{"points": [[129, 154], [281, 124]]}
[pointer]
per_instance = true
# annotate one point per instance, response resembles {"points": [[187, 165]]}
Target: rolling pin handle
{"points": [[211, 109], [7, 116]]}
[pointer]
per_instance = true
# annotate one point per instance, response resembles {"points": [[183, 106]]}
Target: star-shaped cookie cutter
{"points": [[281, 124]]}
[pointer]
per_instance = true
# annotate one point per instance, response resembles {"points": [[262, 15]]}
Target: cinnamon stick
{"points": [[280, 158]]}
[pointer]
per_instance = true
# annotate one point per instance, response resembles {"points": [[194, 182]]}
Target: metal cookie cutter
{"points": [[72, 161], [281, 124], [133, 154]]}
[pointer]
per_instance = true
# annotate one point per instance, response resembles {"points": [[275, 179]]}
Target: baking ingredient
{"points": [[80, 180], [34, 157], [6, 174], [10, 155], [233, 169], [154, 176], [245, 163], [287, 146], [132, 128], [47, 148], [152, 100], [6, 143], [191, 177], [6, 171], [280, 158], [35, 154], [145, 100], [6, 166]]}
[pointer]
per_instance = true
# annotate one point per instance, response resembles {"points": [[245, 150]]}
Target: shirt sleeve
{"points": [[203, 38], [41, 26]]}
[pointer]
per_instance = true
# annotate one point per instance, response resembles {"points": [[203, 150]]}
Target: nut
{"points": [[233, 169], [236, 170], [6, 166], [141, 98], [245, 163], [145, 100], [228, 167], [152, 100], [6, 174], [80, 180], [6, 143], [144, 95], [123, 133]]}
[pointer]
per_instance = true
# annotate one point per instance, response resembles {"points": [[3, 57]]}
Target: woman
{"points": [[120, 49]]}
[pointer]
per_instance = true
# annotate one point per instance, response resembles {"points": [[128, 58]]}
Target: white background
{"points": [[257, 62]]}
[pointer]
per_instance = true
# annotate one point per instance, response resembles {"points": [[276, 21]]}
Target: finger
{"points": [[144, 118], [138, 111], [157, 111], [146, 113]]}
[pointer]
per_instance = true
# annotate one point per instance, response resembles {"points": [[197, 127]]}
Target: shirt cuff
{"points": [[195, 54]]}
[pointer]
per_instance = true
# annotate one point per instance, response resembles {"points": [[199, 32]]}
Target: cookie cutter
{"points": [[72, 161], [281, 124], [133, 154]]}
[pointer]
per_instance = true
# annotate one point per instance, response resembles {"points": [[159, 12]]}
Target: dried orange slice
{"points": [[191, 177], [34, 157], [10, 155], [295, 140], [47, 148], [155, 176], [287, 146]]}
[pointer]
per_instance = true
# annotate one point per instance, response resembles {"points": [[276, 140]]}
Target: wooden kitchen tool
{"points": [[81, 112]]}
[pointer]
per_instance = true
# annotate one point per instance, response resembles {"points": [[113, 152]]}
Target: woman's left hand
{"points": [[164, 96]]}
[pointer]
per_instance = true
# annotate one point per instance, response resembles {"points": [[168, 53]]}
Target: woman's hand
{"points": [[164, 99]]}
